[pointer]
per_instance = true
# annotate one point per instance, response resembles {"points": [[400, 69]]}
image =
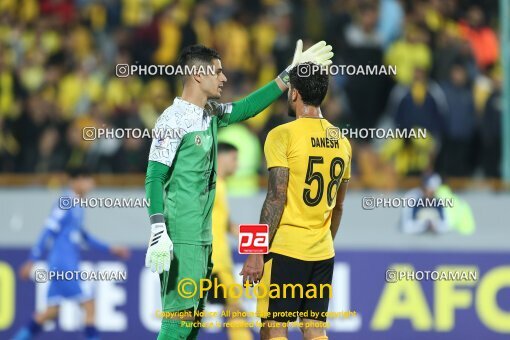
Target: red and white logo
{"points": [[253, 239]]}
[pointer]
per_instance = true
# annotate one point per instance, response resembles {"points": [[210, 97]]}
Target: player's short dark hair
{"points": [[226, 147], [197, 54], [78, 171], [312, 87]]}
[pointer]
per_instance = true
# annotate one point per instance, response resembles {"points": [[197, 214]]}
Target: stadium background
{"points": [[57, 75]]}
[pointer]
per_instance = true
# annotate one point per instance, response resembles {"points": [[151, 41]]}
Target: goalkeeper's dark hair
{"points": [[312, 87], [197, 54], [78, 171], [226, 147]]}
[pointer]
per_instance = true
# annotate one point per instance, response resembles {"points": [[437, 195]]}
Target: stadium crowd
{"points": [[58, 75]]}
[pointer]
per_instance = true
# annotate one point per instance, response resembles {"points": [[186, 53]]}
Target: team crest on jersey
{"points": [[198, 140]]}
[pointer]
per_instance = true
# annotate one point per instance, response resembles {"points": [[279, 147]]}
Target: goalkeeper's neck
{"points": [[308, 111]]}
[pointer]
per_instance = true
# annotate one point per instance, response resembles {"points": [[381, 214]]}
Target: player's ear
{"points": [[294, 95]]}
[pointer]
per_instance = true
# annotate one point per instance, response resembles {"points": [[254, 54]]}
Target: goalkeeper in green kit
{"points": [[181, 178]]}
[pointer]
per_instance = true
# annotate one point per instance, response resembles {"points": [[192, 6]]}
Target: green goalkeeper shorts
{"points": [[180, 287]]}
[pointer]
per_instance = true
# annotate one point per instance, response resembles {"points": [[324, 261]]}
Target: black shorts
{"points": [[280, 270]]}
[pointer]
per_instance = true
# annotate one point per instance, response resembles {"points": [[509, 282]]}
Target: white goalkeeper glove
{"points": [[161, 249], [319, 54]]}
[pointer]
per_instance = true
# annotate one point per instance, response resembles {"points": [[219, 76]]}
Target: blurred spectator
{"points": [[77, 90], [284, 42], [410, 156], [131, 156], [170, 35], [491, 129], [49, 158], [37, 115], [450, 47], [373, 172], [457, 157], [409, 54], [364, 46], [391, 17], [339, 19], [483, 39], [62, 10], [421, 104], [9, 147]]}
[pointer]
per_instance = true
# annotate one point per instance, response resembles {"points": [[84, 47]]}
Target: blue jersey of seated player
{"points": [[64, 237]]}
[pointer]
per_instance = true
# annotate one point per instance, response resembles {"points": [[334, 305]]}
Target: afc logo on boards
{"points": [[253, 239]]}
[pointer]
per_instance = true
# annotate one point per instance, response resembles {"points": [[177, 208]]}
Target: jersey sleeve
{"points": [[168, 134], [157, 175], [276, 148], [246, 107], [347, 172], [51, 229]]}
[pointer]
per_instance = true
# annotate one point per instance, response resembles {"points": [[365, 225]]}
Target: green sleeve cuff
{"points": [[255, 102], [155, 179]]}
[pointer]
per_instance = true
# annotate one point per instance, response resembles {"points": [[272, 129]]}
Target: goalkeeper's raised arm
{"points": [[249, 106]]}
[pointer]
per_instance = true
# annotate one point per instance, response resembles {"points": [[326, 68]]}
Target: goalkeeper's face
{"points": [[212, 84]]}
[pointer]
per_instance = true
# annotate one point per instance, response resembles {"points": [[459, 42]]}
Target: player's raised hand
{"points": [[319, 54], [161, 249]]}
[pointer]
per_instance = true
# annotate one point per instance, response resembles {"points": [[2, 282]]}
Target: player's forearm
{"points": [[336, 216], [272, 210], [256, 101], [335, 220], [95, 243], [271, 214], [37, 251], [157, 174]]}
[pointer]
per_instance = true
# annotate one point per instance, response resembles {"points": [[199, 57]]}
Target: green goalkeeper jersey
{"points": [[181, 175]]}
